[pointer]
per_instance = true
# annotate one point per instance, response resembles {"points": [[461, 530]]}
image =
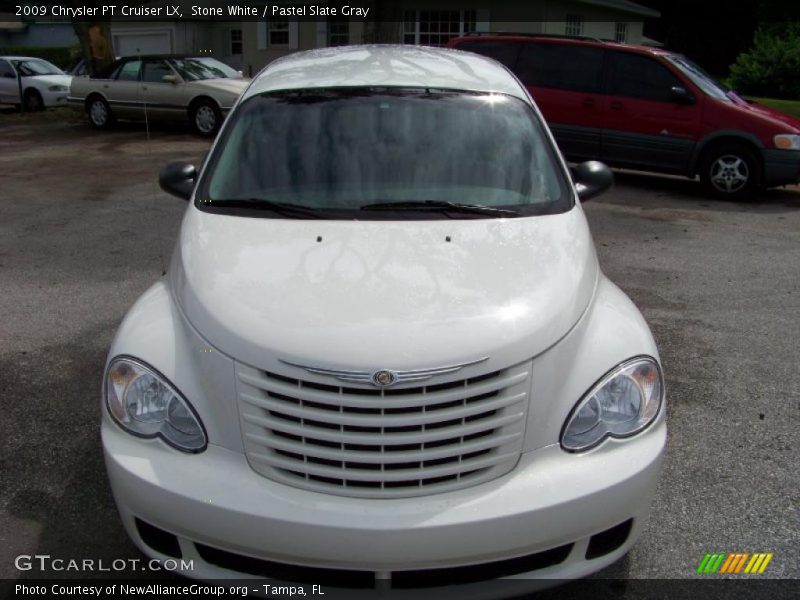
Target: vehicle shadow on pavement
{"points": [[679, 190], [55, 496]]}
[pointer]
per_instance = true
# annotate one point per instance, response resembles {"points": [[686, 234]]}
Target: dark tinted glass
{"points": [[503, 52], [637, 76], [154, 71], [561, 66], [346, 148], [5, 69], [129, 71]]}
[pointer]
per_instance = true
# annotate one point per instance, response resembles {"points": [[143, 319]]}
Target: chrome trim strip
{"points": [[400, 376]]}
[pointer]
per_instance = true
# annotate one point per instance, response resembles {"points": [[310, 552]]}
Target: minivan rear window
{"points": [[503, 52], [341, 150]]}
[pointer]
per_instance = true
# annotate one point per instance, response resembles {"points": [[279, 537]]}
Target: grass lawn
{"points": [[791, 107]]}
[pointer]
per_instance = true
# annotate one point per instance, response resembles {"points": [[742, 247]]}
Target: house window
{"points": [[574, 25], [236, 41], [338, 32], [278, 32], [436, 27], [621, 33]]}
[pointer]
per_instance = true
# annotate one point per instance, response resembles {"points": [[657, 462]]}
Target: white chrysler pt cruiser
{"points": [[384, 352]]}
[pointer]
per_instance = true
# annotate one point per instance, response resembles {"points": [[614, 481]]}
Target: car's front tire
{"points": [[205, 117], [731, 171], [99, 112], [33, 101]]}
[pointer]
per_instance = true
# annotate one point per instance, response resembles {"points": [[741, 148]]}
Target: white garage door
{"points": [[129, 44]]}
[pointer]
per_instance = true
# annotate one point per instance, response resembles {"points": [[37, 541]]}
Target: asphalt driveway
{"points": [[84, 230]]}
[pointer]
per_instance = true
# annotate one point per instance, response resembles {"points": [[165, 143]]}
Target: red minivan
{"points": [[649, 109]]}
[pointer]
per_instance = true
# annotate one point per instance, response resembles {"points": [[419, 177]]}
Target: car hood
{"points": [[48, 80], [229, 85], [383, 294], [771, 114]]}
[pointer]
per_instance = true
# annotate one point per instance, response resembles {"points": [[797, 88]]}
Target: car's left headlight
{"points": [[787, 141], [143, 402], [623, 403], [58, 88]]}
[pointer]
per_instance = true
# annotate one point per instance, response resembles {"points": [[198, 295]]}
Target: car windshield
{"points": [[195, 69], [216, 65], [350, 151], [699, 77], [32, 67]]}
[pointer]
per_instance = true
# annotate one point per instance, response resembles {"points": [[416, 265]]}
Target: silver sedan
{"points": [[167, 87]]}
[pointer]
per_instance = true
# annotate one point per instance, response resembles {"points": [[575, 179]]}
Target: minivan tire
{"points": [[730, 171]]}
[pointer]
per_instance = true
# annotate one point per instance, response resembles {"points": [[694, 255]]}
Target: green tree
{"points": [[772, 66]]}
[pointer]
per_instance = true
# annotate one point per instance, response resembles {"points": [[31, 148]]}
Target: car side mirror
{"points": [[681, 95], [178, 179], [592, 178], [169, 79]]}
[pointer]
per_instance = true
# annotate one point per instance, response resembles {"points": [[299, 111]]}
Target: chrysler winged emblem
{"points": [[384, 378]]}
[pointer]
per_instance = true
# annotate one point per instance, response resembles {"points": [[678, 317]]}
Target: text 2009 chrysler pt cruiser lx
{"points": [[384, 348]]}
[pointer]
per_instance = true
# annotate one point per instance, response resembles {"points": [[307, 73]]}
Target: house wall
{"points": [[304, 35], [42, 35], [187, 37], [599, 22]]}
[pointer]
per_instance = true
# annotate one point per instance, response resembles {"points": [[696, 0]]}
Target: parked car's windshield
{"points": [[699, 77], [36, 66], [194, 69], [219, 66], [342, 150]]}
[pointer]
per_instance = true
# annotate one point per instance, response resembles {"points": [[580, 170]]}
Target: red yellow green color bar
{"points": [[734, 563]]}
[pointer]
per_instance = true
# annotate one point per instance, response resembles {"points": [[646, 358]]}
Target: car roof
{"points": [[559, 39], [25, 58], [386, 66], [155, 56]]}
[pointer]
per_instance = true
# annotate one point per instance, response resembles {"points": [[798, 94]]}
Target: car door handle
{"points": [[617, 105], [105, 86], [588, 102], [144, 87]]}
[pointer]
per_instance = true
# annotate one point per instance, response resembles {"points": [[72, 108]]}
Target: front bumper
{"points": [[552, 499], [54, 99], [781, 167]]}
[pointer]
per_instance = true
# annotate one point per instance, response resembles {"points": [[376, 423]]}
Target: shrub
{"points": [[770, 68], [62, 57]]}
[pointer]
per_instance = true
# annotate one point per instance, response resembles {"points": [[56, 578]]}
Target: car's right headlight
{"points": [[143, 402], [623, 403]]}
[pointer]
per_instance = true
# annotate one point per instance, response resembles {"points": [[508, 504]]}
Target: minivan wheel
{"points": [[205, 117], [99, 113], [731, 172]]}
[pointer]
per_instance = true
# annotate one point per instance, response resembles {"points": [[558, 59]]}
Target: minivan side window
{"points": [[637, 76], [505, 53], [561, 66]]}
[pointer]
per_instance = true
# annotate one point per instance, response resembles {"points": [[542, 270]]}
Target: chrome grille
{"points": [[383, 443]]}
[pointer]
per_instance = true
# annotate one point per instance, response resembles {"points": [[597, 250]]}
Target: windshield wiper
{"points": [[287, 209], [442, 206]]}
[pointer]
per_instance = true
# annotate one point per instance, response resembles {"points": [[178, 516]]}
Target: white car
{"points": [[43, 83], [384, 352]]}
